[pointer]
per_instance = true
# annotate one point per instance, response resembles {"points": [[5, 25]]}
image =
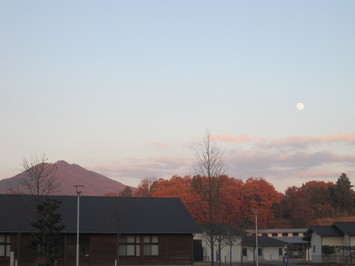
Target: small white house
{"points": [[269, 249], [237, 246], [296, 246]]}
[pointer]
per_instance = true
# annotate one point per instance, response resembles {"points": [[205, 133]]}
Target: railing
{"points": [[342, 259]]}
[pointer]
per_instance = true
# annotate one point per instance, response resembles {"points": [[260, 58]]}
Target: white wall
{"points": [[332, 241], [271, 253], [225, 252], [316, 248], [235, 252], [250, 254], [268, 254]]}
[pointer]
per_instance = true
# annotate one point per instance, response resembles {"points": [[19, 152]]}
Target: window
{"points": [[151, 246], [314, 249], [5, 245], [280, 251], [245, 252], [284, 234], [84, 246], [129, 245], [294, 234], [260, 251], [274, 234]]}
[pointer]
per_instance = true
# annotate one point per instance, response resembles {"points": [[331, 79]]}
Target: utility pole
{"points": [[78, 189], [256, 239]]}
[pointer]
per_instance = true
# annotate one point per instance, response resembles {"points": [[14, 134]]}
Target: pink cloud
{"points": [[234, 139], [139, 168], [290, 141], [158, 144], [277, 160], [316, 173], [291, 169], [309, 140]]}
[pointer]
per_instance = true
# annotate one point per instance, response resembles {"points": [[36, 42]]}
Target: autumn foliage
{"points": [[238, 200], [315, 202]]}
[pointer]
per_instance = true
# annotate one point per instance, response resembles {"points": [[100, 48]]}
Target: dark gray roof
{"points": [[102, 215], [347, 228], [263, 241], [325, 230], [291, 239], [280, 230]]}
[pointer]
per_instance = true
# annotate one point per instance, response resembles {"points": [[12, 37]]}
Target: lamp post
{"points": [[78, 189], [256, 239]]}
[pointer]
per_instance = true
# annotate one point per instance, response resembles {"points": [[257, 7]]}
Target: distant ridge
{"points": [[69, 175]]}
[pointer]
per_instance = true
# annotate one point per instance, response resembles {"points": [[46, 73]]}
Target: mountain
{"points": [[69, 175]]}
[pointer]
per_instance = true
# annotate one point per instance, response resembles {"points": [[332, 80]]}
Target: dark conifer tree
{"points": [[47, 237], [342, 194]]}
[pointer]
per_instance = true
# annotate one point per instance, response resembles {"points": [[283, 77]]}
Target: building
{"points": [[238, 246], [151, 231], [333, 243], [296, 246], [226, 239], [269, 249]]}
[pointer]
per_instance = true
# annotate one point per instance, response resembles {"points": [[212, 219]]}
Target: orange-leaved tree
{"points": [[260, 196], [180, 187]]}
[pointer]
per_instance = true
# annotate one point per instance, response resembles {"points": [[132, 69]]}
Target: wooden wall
{"points": [[173, 250]]}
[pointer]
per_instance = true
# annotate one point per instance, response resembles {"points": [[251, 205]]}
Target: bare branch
{"points": [[40, 176], [209, 158]]}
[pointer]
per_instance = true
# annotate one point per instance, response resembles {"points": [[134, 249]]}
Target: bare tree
{"points": [[206, 182], [40, 177], [209, 158], [233, 238], [40, 180], [221, 239]]}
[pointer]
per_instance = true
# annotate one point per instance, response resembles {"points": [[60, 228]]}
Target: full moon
{"points": [[300, 106]]}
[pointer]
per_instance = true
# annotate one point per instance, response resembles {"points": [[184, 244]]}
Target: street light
{"points": [[256, 239], [78, 189]]}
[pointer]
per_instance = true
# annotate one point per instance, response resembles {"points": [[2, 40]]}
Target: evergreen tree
{"points": [[47, 237], [342, 194]]}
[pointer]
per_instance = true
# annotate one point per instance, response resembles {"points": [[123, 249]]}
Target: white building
{"points": [[334, 243], [238, 246], [296, 246]]}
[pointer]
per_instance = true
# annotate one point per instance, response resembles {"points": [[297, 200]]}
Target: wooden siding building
{"points": [[150, 231]]}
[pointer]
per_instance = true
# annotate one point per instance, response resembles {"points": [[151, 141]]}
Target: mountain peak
{"points": [[61, 162], [69, 175]]}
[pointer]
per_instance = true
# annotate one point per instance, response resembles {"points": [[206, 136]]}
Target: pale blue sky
{"points": [[126, 88]]}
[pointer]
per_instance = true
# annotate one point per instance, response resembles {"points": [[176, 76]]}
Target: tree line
{"points": [[315, 202]]}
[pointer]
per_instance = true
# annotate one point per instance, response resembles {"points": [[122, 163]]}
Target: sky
{"points": [[128, 88]]}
